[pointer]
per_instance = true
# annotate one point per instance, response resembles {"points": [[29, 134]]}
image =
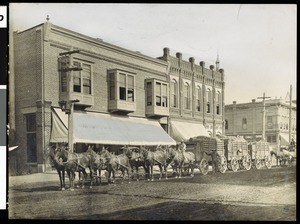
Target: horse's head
{"points": [[128, 152], [144, 152]]}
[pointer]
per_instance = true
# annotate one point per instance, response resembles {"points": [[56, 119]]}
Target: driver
{"points": [[182, 148]]}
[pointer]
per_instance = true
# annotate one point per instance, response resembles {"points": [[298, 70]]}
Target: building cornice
{"points": [[102, 44], [105, 58]]}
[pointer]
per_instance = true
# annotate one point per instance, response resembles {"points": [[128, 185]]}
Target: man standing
{"points": [[214, 159]]}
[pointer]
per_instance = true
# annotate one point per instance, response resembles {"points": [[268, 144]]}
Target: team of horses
{"points": [[284, 155], [128, 162]]}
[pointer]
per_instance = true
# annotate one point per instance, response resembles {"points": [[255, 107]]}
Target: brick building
{"points": [[245, 119], [122, 97]]}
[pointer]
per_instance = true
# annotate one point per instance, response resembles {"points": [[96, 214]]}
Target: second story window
{"points": [[173, 92], [198, 98], [82, 79], [186, 96], [157, 93], [208, 100], [161, 94], [121, 86], [149, 93], [218, 102], [244, 123], [270, 122]]}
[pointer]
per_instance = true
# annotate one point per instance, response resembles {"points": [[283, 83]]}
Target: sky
{"points": [[256, 43]]}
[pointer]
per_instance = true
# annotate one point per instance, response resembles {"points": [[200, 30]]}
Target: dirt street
{"points": [[245, 195]]}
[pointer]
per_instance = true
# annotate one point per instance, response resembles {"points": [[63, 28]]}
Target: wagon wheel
{"points": [[222, 164], [203, 166], [257, 163], [268, 162], [234, 164], [247, 162]]}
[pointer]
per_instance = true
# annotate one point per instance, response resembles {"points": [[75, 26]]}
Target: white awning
{"points": [[185, 130], [110, 129], [59, 132], [284, 139]]}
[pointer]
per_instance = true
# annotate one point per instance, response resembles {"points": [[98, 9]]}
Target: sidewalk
{"points": [[14, 181]]}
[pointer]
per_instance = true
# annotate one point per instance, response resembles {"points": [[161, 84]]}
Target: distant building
{"points": [[122, 97], [245, 119]]}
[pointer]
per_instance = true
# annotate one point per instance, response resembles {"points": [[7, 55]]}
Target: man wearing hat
{"points": [[182, 148]]}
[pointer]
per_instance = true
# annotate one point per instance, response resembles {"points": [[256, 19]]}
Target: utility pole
{"points": [[264, 116], [66, 103]]}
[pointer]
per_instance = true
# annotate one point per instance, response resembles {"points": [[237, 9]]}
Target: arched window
{"points": [[218, 102], [173, 93], [186, 96], [208, 100], [198, 98]]}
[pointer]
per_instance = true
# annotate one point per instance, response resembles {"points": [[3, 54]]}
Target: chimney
{"points": [[179, 55], [253, 100], [166, 52], [192, 60]]}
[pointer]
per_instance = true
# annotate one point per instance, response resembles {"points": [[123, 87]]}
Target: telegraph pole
{"points": [[67, 104], [264, 116]]}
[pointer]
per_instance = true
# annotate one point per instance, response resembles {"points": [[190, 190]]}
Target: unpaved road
{"points": [[244, 195]]}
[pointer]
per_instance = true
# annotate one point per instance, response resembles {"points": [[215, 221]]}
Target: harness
{"points": [[119, 163], [74, 160]]}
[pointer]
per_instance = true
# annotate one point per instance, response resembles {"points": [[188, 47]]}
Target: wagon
{"points": [[201, 144], [260, 154], [236, 153]]}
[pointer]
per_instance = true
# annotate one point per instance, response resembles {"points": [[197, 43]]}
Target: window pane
{"points": [[122, 80], [130, 95], [130, 81], [186, 95], [86, 86], [122, 93], [76, 85], [173, 93], [149, 93], [31, 148], [158, 101], [164, 90], [158, 89], [112, 86], [30, 122], [164, 101]]}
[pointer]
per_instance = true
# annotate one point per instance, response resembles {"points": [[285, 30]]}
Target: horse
{"points": [[115, 163], [283, 156], [135, 160], [54, 157], [180, 159], [158, 157], [76, 162], [98, 163]]}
